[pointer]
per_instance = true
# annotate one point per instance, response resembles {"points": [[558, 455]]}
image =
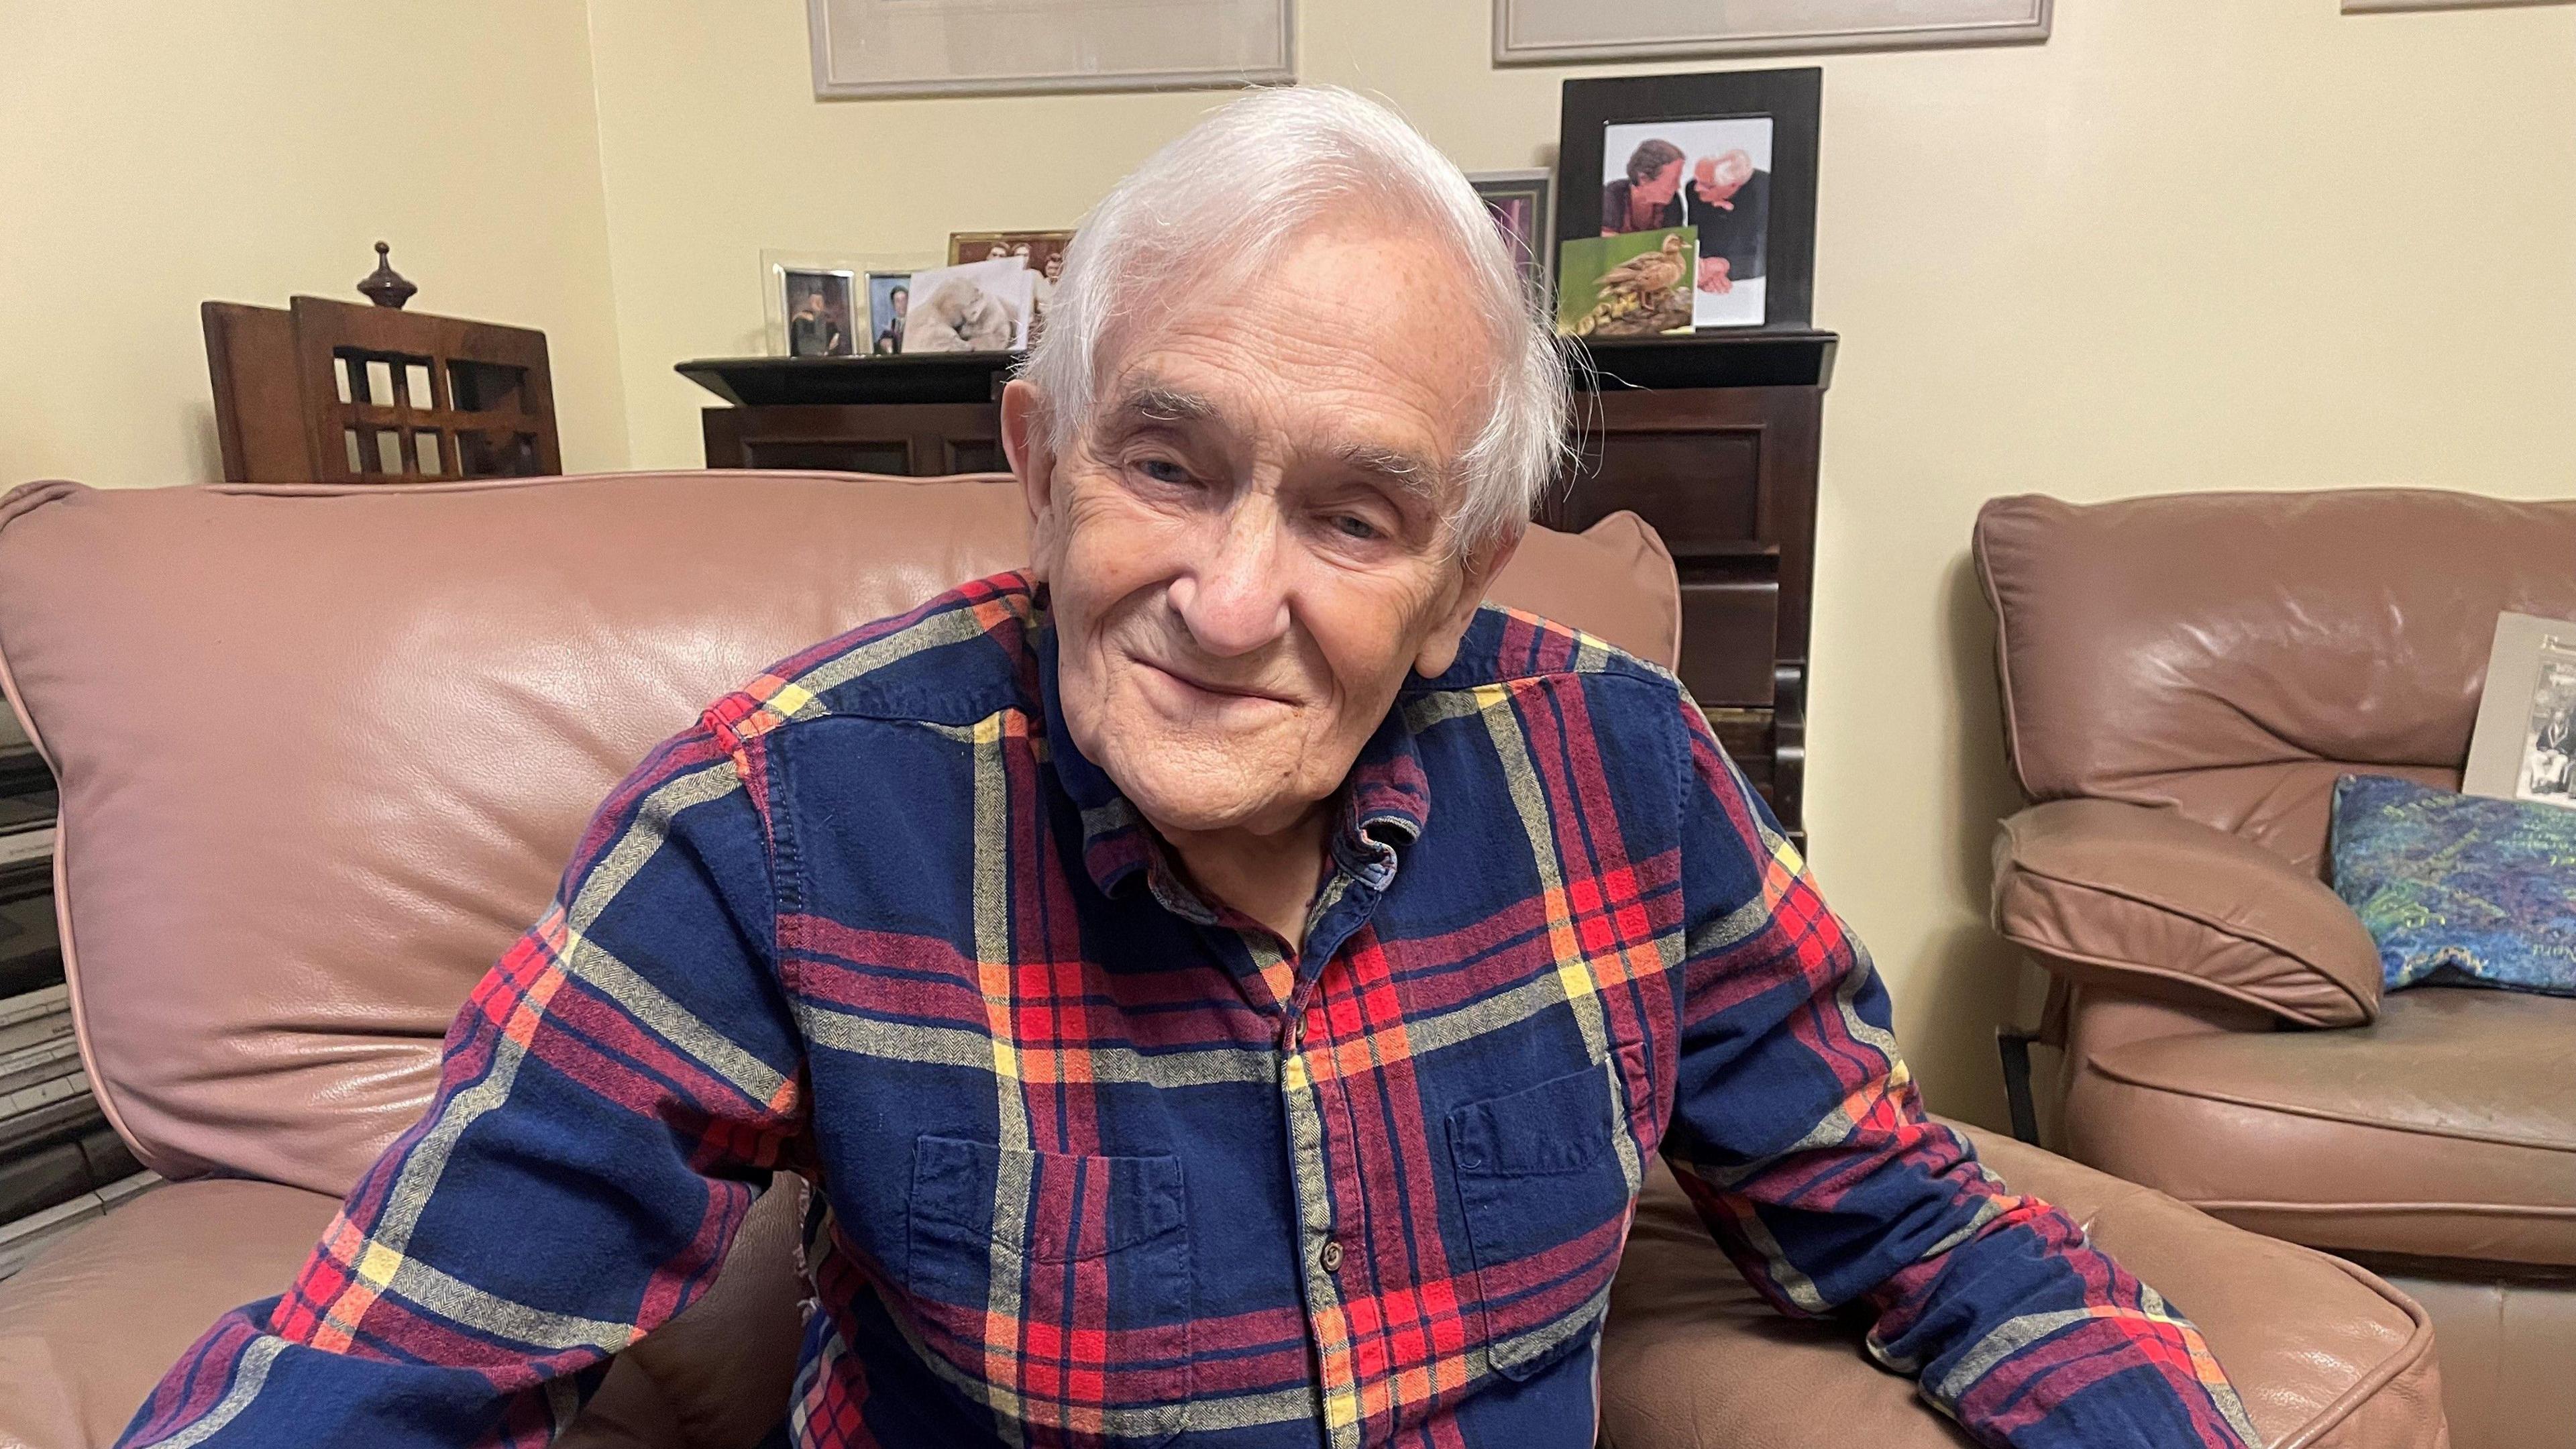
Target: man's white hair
{"points": [[1257, 173]]}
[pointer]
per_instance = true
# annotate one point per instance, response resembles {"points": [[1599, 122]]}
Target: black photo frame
{"points": [[1793, 100]]}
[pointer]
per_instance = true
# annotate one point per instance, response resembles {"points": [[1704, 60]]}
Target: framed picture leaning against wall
{"points": [[1726, 159]]}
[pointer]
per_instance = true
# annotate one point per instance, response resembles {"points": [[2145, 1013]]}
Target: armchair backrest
{"points": [[2229, 654], [324, 749]]}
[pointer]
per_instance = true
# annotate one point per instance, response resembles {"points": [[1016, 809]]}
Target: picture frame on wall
{"points": [[1728, 158], [1518, 201], [2365, 7], [864, 48], [1547, 32]]}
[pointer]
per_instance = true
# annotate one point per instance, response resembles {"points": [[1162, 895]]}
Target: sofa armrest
{"points": [[2324, 1355], [2108, 893]]}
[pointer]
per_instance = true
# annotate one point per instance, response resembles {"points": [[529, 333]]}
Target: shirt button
{"points": [[1331, 1257]]}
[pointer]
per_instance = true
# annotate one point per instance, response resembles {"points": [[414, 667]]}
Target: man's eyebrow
{"points": [[1397, 469], [1157, 403]]}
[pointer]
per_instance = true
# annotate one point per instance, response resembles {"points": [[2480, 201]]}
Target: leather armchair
{"points": [[2183, 680], [323, 750]]}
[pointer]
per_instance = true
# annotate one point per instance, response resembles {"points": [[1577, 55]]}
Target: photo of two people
{"points": [[1713, 177]]}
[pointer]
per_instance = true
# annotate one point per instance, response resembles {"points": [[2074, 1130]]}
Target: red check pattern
{"points": [[1099, 1162]]}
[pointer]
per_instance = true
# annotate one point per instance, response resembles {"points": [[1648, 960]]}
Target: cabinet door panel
{"points": [[1700, 490]]}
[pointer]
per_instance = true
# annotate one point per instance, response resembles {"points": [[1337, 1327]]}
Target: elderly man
{"points": [[1224, 984], [1729, 201]]}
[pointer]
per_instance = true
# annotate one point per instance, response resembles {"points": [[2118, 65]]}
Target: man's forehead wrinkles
{"points": [[1155, 397]]}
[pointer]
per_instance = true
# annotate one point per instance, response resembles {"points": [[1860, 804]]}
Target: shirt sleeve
{"points": [[1799, 1136], [611, 1099]]}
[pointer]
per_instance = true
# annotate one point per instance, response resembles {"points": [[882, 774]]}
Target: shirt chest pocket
{"points": [[1544, 1187], [1057, 1285]]}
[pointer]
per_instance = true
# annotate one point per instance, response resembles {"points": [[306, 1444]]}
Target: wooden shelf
{"points": [[1704, 359]]}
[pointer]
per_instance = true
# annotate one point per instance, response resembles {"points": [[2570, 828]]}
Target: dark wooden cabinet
{"points": [[1712, 439]]}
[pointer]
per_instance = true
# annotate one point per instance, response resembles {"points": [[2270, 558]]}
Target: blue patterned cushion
{"points": [[2459, 890]]}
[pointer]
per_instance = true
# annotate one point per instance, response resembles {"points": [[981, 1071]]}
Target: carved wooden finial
{"points": [[384, 286]]}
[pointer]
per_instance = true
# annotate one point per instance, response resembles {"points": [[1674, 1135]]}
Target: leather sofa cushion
{"points": [[2324, 1355], [2445, 1129], [89, 1327], [2228, 654], [324, 751], [2165, 906]]}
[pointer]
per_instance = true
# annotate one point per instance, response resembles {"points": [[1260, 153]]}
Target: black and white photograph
{"points": [[2548, 772], [978, 307], [1711, 176], [2523, 746], [1730, 156]]}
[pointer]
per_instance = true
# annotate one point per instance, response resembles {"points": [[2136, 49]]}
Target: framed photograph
{"points": [[2524, 745], [814, 304], [889, 299], [1552, 31], [978, 307], [2363, 7], [1518, 203], [978, 47], [1729, 157]]}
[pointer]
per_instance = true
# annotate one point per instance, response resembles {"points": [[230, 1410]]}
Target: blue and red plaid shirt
{"points": [[1104, 1162]]}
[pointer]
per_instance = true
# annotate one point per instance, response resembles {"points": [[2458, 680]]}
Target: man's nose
{"points": [[1235, 599]]}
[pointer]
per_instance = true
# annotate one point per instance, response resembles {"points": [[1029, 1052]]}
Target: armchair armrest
{"points": [[2324, 1355], [2108, 893]]}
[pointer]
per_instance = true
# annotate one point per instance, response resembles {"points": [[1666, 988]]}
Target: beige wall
{"points": [[156, 155], [2186, 244]]}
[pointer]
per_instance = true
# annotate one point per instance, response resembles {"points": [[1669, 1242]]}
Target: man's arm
{"points": [[1799, 1135], [612, 1098]]}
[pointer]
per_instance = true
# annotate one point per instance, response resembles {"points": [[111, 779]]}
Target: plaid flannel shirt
{"points": [[1099, 1161]]}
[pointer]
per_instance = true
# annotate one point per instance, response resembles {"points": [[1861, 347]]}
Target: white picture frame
{"points": [[864, 48], [2523, 746], [1544, 32]]}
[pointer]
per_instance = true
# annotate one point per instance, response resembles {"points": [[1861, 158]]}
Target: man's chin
{"points": [[1191, 807]]}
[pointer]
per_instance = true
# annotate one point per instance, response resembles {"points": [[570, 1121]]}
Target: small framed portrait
{"points": [[2524, 746], [889, 301], [1728, 157], [1518, 203], [815, 306]]}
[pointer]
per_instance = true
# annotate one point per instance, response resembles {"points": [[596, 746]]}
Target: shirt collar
{"points": [[1383, 805]]}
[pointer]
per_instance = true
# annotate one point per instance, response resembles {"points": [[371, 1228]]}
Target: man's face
{"points": [[1657, 189], [1246, 547], [1720, 177], [902, 301]]}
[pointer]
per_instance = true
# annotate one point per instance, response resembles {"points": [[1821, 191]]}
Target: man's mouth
{"points": [[1190, 683]]}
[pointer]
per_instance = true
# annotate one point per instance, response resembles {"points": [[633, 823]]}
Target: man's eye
{"points": [[1163, 470], [1351, 525]]}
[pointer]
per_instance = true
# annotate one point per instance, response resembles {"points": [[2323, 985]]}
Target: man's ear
{"points": [[1024, 443], [1476, 572]]}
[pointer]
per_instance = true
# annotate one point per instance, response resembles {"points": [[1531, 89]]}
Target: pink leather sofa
{"points": [[324, 750]]}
